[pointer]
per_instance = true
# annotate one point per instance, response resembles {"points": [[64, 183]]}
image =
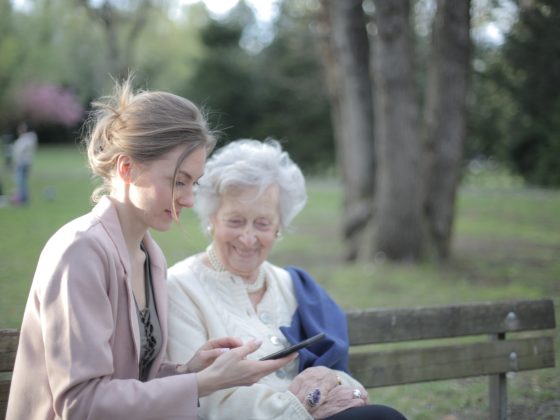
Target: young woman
{"points": [[94, 331]]}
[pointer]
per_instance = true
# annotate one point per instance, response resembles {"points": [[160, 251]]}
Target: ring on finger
{"points": [[356, 393], [313, 397]]}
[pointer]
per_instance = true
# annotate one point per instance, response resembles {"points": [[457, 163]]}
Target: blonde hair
{"points": [[144, 125]]}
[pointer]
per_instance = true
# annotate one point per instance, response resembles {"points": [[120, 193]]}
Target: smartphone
{"points": [[295, 347]]}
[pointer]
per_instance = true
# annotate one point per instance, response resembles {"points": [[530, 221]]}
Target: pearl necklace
{"points": [[216, 264]]}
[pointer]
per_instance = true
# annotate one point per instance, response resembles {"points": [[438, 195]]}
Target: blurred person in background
{"points": [[248, 196], [23, 151], [94, 332], [3, 197]]}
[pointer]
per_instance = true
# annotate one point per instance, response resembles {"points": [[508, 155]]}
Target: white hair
{"points": [[251, 163]]}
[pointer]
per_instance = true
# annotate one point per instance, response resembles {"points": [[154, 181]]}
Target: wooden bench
{"points": [[493, 356]]}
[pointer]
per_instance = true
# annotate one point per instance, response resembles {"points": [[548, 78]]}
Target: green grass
{"points": [[506, 246]]}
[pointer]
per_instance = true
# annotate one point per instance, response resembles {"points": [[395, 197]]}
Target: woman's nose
{"points": [[186, 199], [248, 237]]}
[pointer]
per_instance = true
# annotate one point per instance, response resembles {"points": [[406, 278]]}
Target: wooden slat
{"points": [[393, 325], [4, 391], [8, 348], [402, 366]]}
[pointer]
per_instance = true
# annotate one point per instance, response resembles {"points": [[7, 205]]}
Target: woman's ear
{"points": [[124, 168]]}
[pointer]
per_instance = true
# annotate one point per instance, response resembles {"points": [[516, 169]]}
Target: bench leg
{"points": [[497, 387], [498, 396]]}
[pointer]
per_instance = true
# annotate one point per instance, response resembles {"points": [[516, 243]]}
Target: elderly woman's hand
{"points": [[341, 398], [313, 385], [320, 391]]}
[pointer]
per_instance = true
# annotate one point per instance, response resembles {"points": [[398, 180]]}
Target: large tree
{"points": [[345, 49], [412, 176], [445, 119], [398, 193]]}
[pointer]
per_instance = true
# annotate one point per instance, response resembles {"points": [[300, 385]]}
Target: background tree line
{"points": [[395, 96]]}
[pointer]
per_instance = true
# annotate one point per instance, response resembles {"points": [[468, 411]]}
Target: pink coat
{"points": [[79, 345]]}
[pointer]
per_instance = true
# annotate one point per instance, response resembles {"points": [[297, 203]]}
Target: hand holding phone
{"points": [[295, 347]]}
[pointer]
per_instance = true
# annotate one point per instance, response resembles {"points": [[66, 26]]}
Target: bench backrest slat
{"points": [[4, 392], [403, 366], [418, 323], [8, 348]]}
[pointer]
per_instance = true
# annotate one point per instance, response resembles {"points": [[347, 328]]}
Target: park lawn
{"points": [[506, 246]]}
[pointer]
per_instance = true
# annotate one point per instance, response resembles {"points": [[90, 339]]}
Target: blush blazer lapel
{"points": [[107, 214]]}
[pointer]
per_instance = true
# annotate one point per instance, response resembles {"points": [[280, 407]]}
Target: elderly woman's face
{"points": [[245, 229]]}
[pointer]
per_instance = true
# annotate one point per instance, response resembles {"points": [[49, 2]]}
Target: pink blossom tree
{"points": [[50, 104]]}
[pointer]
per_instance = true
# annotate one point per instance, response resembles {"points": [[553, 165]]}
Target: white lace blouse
{"points": [[205, 304]]}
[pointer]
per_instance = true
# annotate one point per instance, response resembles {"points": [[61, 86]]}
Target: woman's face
{"points": [[245, 229], [151, 192]]}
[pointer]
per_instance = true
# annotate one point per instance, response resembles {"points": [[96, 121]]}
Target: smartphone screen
{"points": [[295, 347]]}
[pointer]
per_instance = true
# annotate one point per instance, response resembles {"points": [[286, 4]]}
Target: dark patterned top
{"points": [[150, 329]]}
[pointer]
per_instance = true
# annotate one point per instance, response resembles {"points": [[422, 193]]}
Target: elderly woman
{"points": [[249, 194]]}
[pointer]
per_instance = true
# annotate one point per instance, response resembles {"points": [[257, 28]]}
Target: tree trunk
{"points": [[445, 119], [398, 191], [122, 29], [345, 49]]}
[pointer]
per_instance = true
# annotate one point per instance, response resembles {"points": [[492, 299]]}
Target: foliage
{"points": [[10, 54], [515, 111], [293, 90], [278, 89], [490, 107], [222, 82], [169, 48], [275, 92], [51, 48], [533, 53], [47, 44]]}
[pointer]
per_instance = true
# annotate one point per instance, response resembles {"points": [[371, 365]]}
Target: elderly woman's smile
{"points": [[245, 228]]}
